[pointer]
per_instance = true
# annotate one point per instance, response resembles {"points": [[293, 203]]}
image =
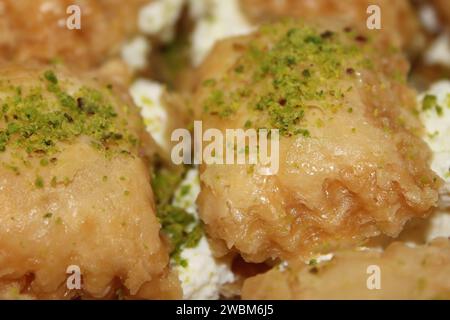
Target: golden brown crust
{"points": [[90, 209], [405, 273], [400, 26], [443, 10], [36, 31], [360, 173]]}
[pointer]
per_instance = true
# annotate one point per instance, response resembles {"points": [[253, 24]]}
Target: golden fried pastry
{"points": [[399, 25], [351, 163], [443, 9], [37, 31], [403, 273], [75, 190]]}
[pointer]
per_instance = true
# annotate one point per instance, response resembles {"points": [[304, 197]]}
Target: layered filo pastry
{"points": [[75, 190], [81, 34], [359, 178], [352, 164]]}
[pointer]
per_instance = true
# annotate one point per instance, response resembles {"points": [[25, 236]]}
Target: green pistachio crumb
{"points": [[289, 68], [39, 182], [36, 119], [182, 228], [429, 102], [50, 76]]}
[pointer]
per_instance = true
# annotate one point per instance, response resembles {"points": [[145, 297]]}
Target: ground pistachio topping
{"points": [[430, 102], [36, 119], [284, 71], [181, 227]]}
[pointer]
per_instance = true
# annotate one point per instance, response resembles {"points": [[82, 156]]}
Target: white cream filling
{"points": [[147, 95], [159, 18], [135, 53], [203, 276], [437, 125], [216, 19], [429, 18], [439, 52]]}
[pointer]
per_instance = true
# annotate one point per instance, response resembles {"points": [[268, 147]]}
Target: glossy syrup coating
{"points": [[75, 190], [404, 273], [36, 31], [443, 9], [399, 24], [351, 162]]}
